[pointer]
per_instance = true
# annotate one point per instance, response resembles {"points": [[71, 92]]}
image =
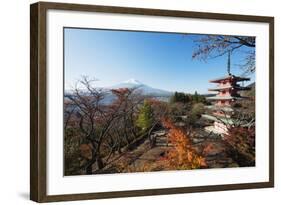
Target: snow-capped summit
{"points": [[133, 81], [147, 90]]}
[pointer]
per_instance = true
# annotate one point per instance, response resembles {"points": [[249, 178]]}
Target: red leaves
{"points": [[213, 149], [241, 141], [240, 135], [121, 92]]}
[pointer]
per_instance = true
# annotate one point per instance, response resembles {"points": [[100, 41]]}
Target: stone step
{"points": [[164, 144], [161, 137], [196, 140], [159, 133], [161, 140]]}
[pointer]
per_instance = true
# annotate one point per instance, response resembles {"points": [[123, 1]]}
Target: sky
{"points": [[159, 60]]}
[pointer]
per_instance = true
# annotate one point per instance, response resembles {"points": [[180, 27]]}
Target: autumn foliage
{"points": [[241, 144], [182, 155]]}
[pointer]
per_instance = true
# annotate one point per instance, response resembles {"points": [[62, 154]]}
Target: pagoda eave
{"points": [[219, 108], [224, 98], [227, 121], [229, 88], [229, 77]]}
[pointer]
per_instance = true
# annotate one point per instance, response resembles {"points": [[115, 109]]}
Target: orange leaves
{"points": [[182, 155]]}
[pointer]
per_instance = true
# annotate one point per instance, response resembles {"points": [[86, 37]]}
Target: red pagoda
{"points": [[227, 89]]}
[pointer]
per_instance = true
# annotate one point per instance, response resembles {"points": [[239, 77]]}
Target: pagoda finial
{"points": [[228, 63]]}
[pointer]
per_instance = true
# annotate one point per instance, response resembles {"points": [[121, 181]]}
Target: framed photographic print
{"points": [[134, 102]]}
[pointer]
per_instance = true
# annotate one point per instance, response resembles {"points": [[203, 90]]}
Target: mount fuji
{"points": [[145, 89]]}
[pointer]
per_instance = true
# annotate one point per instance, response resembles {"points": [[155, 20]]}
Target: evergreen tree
{"points": [[179, 97], [196, 97], [145, 118]]}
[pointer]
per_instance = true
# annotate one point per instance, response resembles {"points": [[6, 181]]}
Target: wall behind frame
{"points": [[14, 83]]}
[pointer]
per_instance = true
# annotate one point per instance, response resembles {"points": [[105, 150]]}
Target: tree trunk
{"points": [[100, 163], [89, 169]]}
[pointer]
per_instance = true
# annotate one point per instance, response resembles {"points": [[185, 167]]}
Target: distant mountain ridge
{"points": [[146, 90]]}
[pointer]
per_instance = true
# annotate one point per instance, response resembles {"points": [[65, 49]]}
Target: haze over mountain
{"points": [[146, 90]]}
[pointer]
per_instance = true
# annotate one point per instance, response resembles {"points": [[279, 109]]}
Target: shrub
{"points": [[196, 112]]}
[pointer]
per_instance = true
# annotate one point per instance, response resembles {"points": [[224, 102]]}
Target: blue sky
{"points": [[160, 60]]}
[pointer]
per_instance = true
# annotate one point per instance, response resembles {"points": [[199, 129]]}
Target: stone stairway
{"points": [[161, 139]]}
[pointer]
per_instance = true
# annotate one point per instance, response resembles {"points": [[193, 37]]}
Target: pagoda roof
{"points": [[227, 121], [225, 98], [223, 108], [229, 87], [211, 129], [218, 119], [237, 78]]}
